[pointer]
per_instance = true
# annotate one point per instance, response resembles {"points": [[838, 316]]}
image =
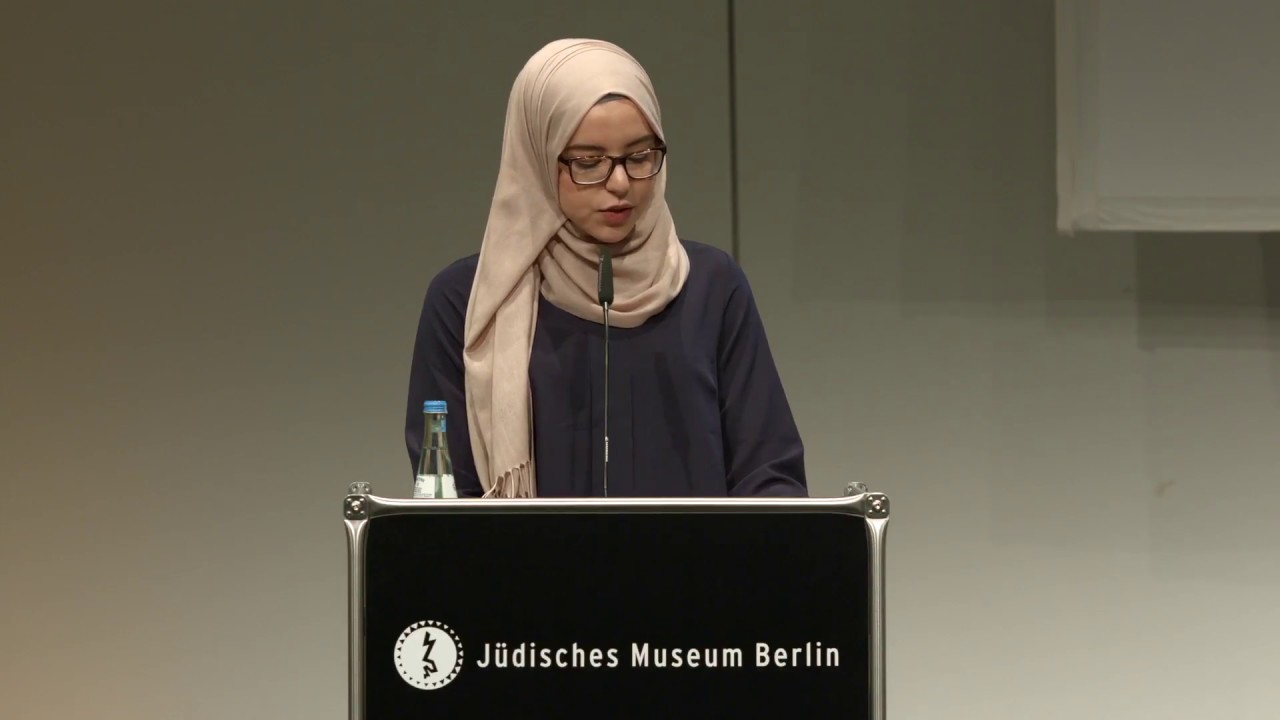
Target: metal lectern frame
{"points": [[360, 506]]}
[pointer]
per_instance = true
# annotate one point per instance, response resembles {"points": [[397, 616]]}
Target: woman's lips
{"points": [[617, 216]]}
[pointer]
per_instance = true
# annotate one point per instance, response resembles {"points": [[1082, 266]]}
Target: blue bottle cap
{"points": [[435, 406]]}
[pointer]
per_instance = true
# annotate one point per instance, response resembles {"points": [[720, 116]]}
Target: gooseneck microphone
{"points": [[604, 292]]}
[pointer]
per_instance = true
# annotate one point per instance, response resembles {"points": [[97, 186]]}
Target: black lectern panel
{"points": [[603, 615]]}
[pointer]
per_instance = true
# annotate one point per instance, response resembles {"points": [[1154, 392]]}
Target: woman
{"points": [[513, 338]]}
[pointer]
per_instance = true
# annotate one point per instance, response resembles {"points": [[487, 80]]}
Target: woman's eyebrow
{"points": [[598, 149]]}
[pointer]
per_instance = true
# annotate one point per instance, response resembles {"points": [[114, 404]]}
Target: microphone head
{"points": [[604, 287]]}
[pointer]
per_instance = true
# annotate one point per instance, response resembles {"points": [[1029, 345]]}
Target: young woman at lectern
{"points": [[514, 338]]}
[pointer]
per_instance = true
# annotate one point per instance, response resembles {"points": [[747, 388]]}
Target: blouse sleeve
{"points": [[437, 374], [762, 447]]}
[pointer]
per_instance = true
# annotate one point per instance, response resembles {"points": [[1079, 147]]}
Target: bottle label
{"points": [[421, 488], [434, 486]]}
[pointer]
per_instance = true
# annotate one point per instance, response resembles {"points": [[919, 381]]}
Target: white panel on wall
{"points": [[1167, 115]]}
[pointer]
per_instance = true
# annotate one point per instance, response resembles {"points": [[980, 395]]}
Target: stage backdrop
{"points": [[218, 219]]}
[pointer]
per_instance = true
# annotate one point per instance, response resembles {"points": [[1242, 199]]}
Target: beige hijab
{"points": [[530, 248]]}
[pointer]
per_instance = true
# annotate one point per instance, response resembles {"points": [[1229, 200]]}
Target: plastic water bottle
{"points": [[435, 469]]}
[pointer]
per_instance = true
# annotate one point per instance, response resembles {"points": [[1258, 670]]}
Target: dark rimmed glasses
{"points": [[595, 169]]}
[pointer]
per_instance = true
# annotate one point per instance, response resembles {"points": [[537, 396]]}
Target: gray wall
{"points": [[217, 225], [1080, 436]]}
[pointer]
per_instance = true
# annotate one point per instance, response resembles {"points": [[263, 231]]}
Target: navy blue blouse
{"points": [[696, 407]]}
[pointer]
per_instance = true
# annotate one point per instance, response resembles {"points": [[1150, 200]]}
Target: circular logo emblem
{"points": [[428, 655]]}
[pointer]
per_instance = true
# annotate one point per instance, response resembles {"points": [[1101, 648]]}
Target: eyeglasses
{"points": [[595, 169]]}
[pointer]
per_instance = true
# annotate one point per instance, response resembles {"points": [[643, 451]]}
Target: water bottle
{"points": [[435, 469]]}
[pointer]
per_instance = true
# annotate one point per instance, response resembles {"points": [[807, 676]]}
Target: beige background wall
{"points": [[217, 225], [219, 221]]}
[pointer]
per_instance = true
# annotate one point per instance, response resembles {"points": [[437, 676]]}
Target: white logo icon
{"points": [[428, 655]]}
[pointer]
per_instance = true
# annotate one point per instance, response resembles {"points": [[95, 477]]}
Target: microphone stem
{"points": [[606, 399]]}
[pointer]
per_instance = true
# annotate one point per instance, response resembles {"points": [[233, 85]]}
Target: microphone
{"points": [[604, 292], [604, 287]]}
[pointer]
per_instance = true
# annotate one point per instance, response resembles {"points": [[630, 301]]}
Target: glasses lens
{"points": [[590, 170], [644, 164]]}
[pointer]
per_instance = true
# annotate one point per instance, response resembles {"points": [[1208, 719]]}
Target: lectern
{"points": [[617, 608]]}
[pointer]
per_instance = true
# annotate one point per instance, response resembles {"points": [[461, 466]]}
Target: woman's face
{"points": [[607, 210]]}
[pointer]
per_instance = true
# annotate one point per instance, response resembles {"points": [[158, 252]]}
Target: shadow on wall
{"points": [[1200, 290]]}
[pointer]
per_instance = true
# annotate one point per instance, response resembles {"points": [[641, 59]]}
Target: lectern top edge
{"points": [[361, 504]]}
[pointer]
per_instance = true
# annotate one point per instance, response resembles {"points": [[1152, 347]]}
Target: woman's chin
{"points": [[610, 235]]}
